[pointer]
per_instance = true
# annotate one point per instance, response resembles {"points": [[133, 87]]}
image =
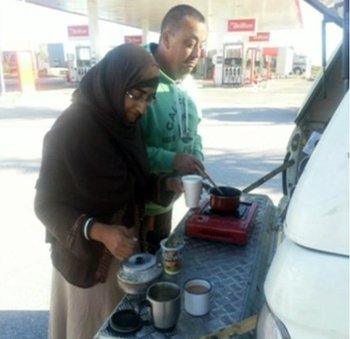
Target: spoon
{"points": [[206, 175]]}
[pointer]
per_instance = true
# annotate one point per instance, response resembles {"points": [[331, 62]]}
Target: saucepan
{"points": [[226, 199]]}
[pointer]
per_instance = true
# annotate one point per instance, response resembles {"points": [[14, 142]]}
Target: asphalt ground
{"points": [[245, 132]]}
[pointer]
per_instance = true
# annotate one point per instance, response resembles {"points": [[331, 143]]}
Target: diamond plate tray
{"points": [[236, 273]]}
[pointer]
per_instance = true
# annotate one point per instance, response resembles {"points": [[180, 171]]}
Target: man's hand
{"points": [[119, 240], [187, 163]]}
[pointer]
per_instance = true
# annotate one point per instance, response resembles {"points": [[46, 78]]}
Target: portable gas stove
{"points": [[233, 228]]}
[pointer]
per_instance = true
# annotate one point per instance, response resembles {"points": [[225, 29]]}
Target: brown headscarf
{"points": [[105, 85], [92, 157]]}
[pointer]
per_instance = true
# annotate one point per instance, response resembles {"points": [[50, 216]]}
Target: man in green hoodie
{"points": [[170, 125]]}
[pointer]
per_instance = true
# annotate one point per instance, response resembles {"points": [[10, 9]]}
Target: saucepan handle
{"points": [[206, 186], [269, 175]]}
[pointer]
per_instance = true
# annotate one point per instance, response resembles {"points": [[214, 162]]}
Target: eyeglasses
{"points": [[141, 96]]}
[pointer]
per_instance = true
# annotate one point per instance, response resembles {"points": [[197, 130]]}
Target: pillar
{"points": [[2, 81], [92, 6], [145, 29]]}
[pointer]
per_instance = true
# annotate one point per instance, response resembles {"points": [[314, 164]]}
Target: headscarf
{"points": [[96, 115], [105, 85]]}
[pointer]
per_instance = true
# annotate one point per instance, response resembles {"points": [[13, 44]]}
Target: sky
{"points": [[50, 26]]}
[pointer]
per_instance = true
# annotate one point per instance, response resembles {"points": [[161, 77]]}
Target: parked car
{"points": [[300, 63]]}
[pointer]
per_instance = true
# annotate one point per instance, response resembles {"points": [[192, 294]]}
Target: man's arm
{"points": [[192, 93], [160, 160], [163, 161], [197, 148]]}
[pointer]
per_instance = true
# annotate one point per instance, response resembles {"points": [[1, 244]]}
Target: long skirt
{"points": [[78, 313]]}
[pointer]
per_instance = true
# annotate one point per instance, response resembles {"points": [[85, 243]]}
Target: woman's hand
{"points": [[174, 184], [119, 240]]}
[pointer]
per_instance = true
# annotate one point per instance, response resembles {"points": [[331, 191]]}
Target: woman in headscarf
{"points": [[92, 188]]}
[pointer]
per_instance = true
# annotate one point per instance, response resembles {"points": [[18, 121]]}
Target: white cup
{"points": [[193, 187], [197, 296]]}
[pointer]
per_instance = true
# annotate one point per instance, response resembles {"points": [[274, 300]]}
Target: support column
{"points": [[145, 30], [209, 20], [92, 6], [2, 81]]}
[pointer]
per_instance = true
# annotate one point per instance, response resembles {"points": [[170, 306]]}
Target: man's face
{"points": [[184, 46]]}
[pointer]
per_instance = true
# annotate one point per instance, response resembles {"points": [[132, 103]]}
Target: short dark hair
{"points": [[177, 13]]}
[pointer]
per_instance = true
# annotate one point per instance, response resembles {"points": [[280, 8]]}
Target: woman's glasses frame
{"points": [[149, 99]]}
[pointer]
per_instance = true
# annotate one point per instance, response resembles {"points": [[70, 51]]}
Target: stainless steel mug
{"points": [[164, 298]]}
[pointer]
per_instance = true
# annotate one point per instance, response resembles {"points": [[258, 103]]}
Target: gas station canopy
{"points": [[269, 14]]}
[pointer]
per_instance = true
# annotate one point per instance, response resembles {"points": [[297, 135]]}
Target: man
{"points": [[170, 125]]}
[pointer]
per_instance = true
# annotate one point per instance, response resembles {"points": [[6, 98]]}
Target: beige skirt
{"points": [[78, 313]]}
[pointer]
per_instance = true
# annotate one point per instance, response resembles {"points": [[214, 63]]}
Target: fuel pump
{"points": [[253, 65], [83, 59], [232, 72]]}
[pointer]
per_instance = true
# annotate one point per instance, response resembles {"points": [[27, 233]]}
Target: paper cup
{"points": [[193, 187]]}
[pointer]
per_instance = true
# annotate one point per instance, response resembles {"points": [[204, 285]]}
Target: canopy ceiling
{"points": [[269, 14]]}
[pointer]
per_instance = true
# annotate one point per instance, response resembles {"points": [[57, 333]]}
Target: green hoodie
{"points": [[170, 127]]}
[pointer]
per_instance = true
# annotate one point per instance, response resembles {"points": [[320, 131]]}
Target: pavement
{"points": [[245, 133]]}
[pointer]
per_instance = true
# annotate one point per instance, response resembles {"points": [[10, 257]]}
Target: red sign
{"points": [[78, 31], [241, 25], [260, 36], [271, 51], [133, 39]]}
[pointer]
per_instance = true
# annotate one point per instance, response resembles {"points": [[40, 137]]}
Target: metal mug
{"points": [[164, 300]]}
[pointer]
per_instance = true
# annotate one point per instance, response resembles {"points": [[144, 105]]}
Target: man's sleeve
{"points": [[197, 143], [160, 160], [191, 90], [197, 148]]}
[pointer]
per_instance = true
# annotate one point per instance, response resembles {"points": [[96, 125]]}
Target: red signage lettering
{"points": [[260, 36], [133, 39], [78, 31], [241, 25]]}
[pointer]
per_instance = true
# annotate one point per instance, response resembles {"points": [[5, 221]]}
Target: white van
{"points": [[307, 284]]}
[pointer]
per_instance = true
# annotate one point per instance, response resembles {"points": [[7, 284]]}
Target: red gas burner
{"points": [[233, 228]]}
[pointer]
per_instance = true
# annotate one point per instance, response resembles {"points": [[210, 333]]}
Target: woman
{"points": [[92, 188]]}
